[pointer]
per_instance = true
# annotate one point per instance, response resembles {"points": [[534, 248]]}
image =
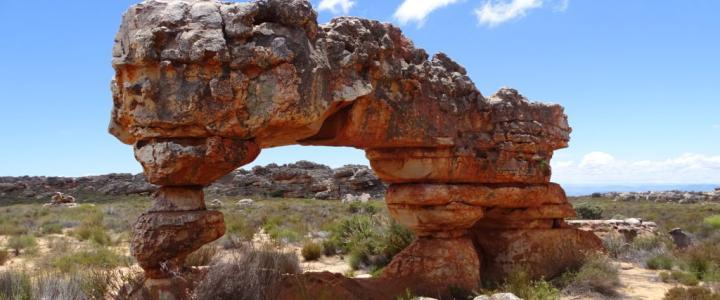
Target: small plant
{"points": [[598, 274], [693, 293], [685, 278], [21, 242], [589, 212], [712, 221], [51, 228], [311, 251], [96, 258], [659, 262], [665, 276], [519, 283]]}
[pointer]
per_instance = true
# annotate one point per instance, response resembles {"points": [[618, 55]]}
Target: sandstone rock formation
{"points": [[201, 86], [629, 228], [60, 199]]}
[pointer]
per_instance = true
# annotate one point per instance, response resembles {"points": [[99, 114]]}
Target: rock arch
{"points": [[202, 86]]}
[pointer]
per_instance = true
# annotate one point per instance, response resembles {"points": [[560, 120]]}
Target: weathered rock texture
{"points": [[202, 86]]}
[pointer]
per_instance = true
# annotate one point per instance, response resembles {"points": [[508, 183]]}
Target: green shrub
{"points": [[94, 233], [395, 238], [51, 228], [649, 242], [519, 283], [598, 274], [588, 212], [330, 247], [658, 262], [279, 232], [21, 242], [96, 258], [685, 278], [693, 293], [665, 276], [713, 221], [311, 251], [702, 260]]}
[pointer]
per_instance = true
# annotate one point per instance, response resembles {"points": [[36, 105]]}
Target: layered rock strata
{"points": [[202, 86]]}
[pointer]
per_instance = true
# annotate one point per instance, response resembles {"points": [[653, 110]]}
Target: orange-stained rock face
{"points": [[201, 86]]}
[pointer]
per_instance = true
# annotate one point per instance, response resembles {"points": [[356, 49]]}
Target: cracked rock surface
{"points": [[201, 86]]}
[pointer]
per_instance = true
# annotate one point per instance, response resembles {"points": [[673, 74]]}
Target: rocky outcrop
{"points": [[202, 86], [629, 228], [664, 196], [302, 179], [43, 188]]}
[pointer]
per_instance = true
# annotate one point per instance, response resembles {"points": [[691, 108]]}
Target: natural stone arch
{"points": [[202, 86]]}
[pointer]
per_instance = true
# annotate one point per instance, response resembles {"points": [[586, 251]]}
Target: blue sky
{"points": [[640, 80]]}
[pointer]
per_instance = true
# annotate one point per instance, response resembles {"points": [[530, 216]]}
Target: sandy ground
{"points": [[637, 283]]}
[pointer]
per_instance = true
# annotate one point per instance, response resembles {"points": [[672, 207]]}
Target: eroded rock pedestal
{"points": [[201, 86]]}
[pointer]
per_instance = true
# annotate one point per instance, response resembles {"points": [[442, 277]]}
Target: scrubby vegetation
{"points": [[253, 270], [692, 293], [312, 250], [75, 251]]}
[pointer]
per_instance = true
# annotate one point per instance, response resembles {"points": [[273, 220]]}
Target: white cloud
{"points": [[418, 10], [336, 6], [562, 5], [494, 13], [716, 126], [600, 167]]}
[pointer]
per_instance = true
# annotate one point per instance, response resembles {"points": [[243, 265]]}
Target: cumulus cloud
{"points": [[336, 6], [600, 167], [494, 13], [418, 10]]}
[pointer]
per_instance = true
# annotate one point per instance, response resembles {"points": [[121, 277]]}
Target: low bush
{"points": [[370, 242], [21, 242], [95, 258], [712, 221], [202, 256], [685, 278], [519, 283], [660, 262], [311, 251], [51, 228], [665, 276], [94, 233], [702, 260], [598, 274], [615, 245], [693, 293], [588, 212], [253, 272]]}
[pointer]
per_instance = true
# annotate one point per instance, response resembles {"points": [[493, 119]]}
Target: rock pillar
{"points": [[178, 222]]}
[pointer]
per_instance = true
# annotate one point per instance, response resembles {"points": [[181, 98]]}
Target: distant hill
{"points": [[587, 189]]}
